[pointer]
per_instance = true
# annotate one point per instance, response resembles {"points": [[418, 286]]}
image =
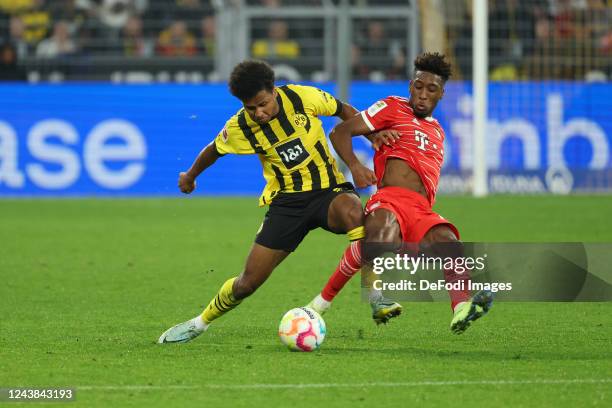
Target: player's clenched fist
{"points": [[362, 176], [186, 183]]}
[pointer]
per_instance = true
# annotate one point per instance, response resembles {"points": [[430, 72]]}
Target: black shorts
{"points": [[293, 215]]}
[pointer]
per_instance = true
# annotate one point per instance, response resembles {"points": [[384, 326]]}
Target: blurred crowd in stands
{"points": [[541, 39], [134, 28], [556, 39]]}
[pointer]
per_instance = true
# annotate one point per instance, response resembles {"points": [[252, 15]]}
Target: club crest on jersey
{"points": [[300, 120], [377, 107]]}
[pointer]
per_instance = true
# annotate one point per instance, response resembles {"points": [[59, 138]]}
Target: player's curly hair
{"points": [[435, 63], [249, 78]]}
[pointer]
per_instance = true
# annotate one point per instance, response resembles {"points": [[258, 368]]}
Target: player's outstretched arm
{"points": [[387, 137], [341, 138], [205, 159]]}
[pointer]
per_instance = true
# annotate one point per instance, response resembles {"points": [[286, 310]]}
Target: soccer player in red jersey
{"points": [[406, 173]]}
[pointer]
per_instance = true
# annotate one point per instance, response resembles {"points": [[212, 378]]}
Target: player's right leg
{"points": [[383, 234], [259, 265], [342, 214]]}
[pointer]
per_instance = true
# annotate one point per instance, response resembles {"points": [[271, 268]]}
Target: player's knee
{"points": [[382, 235], [345, 213], [354, 217], [382, 226], [376, 233], [441, 234], [442, 241]]}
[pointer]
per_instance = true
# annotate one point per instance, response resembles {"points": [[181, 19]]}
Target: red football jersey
{"points": [[421, 144]]}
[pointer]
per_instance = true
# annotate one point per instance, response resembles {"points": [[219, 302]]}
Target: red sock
{"points": [[348, 266], [458, 296]]}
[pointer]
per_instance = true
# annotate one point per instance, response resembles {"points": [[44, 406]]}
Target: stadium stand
{"points": [[166, 40]]}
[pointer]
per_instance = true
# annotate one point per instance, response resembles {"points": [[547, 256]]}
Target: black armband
{"points": [[339, 108]]}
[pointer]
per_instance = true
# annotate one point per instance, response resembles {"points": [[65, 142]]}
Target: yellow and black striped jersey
{"points": [[292, 147]]}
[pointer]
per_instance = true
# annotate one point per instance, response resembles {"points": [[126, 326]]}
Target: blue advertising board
{"points": [[107, 140]]}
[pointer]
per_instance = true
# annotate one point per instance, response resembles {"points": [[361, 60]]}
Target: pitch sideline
{"points": [[343, 385]]}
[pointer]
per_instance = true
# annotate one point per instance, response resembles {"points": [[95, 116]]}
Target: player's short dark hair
{"points": [[249, 78], [433, 62]]}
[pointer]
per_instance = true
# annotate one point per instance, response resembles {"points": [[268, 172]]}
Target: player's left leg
{"points": [[279, 235], [442, 241], [260, 263], [341, 219], [344, 216]]}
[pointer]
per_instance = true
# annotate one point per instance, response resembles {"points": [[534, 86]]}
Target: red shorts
{"points": [[412, 210]]}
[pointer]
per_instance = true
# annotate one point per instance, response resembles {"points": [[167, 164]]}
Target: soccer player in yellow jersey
{"points": [[305, 189]]}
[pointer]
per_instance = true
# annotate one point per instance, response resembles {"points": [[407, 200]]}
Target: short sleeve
{"points": [[381, 114], [322, 103], [231, 139]]}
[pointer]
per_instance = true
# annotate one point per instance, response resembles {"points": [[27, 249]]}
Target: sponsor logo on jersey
{"points": [[224, 135], [377, 107]]}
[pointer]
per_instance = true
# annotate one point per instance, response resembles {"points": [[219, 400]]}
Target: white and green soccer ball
{"points": [[302, 329]]}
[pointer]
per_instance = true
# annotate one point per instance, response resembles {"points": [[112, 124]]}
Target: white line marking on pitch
{"points": [[343, 385]]}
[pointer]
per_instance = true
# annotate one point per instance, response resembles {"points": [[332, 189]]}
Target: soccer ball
{"points": [[302, 329]]}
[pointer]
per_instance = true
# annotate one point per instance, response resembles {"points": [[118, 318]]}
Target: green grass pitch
{"points": [[89, 285]]}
